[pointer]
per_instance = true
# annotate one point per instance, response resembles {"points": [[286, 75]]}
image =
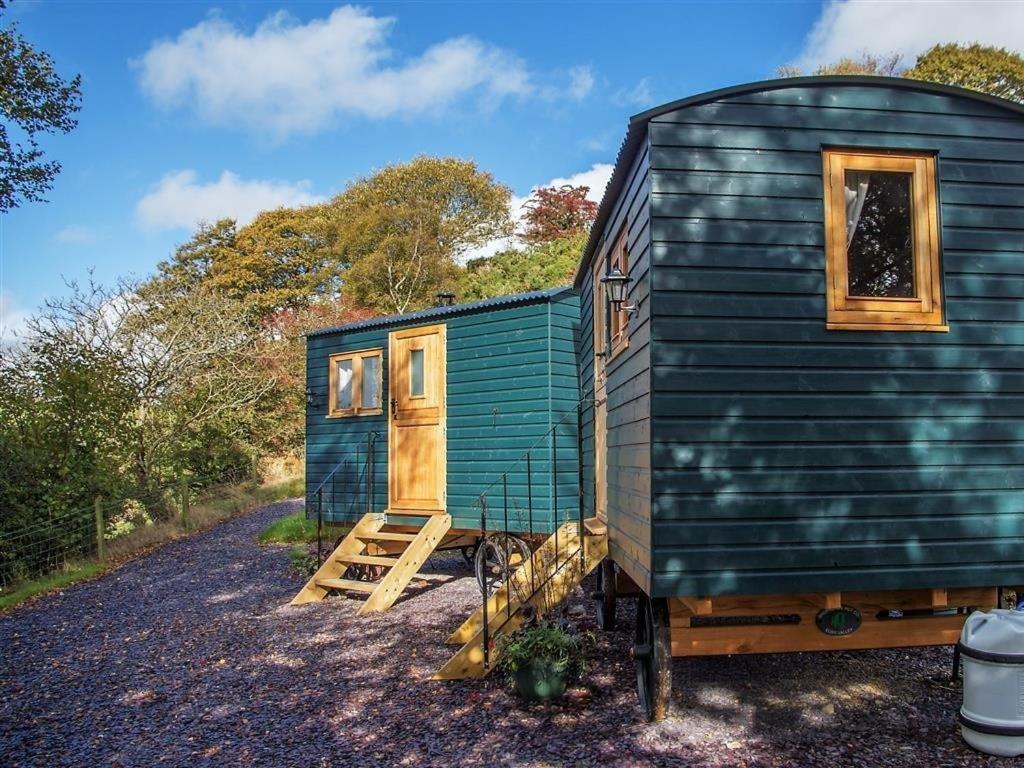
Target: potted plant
{"points": [[540, 660]]}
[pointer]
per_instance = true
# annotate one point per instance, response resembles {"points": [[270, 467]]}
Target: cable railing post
{"points": [[507, 546], [529, 507], [319, 525], [554, 485], [483, 587], [579, 480], [369, 472]]}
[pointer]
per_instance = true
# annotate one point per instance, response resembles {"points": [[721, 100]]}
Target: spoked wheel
{"points": [[606, 605], [652, 654], [365, 571], [497, 555], [469, 553]]}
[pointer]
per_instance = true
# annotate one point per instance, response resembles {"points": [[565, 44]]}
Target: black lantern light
{"points": [[616, 285], [310, 398], [445, 299]]}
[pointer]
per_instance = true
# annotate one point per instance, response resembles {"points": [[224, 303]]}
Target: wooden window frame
{"points": [[357, 357], [923, 312], [618, 322]]}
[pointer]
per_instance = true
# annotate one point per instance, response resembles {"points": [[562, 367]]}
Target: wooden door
{"points": [[417, 472], [600, 394]]}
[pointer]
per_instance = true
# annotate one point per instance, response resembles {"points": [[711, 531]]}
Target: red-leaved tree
{"points": [[553, 213]]}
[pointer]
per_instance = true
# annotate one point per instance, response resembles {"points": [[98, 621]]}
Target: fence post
{"points": [[184, 500], [101, 543], [579, 482]]}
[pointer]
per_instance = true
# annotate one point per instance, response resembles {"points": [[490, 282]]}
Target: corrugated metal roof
{"points": [[637, 129], [498, 302]]}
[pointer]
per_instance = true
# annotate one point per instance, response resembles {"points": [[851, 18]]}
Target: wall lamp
{"points": [[616, 286], [311, 399]]}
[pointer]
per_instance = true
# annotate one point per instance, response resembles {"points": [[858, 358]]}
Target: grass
{"points": [[293, 529], [27, 589], [212, 507]]}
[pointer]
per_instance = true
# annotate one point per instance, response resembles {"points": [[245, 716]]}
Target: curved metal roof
{"points": [[498, 302], [638, 128]]}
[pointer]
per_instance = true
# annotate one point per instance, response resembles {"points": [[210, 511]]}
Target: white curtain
{"points": [[856, 191]]}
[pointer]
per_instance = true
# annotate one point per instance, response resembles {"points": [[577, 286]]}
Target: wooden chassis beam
{"points": [[882, 625]]}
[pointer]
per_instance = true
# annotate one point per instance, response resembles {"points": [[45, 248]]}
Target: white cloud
{"points": [[581, 83], [287, 77], [75, 234], [849, 28], [596, 178], [12, 320], [180, 200], [637, 96]]}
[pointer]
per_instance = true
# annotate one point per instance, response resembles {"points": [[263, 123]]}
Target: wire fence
{"points": [[52, 540]]}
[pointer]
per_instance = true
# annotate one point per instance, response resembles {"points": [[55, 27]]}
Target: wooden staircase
{"points": [[556, 568], [400, 568]]}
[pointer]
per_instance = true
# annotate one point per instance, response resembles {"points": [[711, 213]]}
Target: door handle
{"points": [[394, 407]]}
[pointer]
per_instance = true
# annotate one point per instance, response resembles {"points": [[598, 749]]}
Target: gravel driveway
{"points": [[190, 656]]}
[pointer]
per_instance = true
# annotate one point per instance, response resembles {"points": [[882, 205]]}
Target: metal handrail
{"points": [[487, 526], [332, 477]]}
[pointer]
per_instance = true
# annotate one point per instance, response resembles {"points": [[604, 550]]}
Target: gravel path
{"points": [[190, 656]]}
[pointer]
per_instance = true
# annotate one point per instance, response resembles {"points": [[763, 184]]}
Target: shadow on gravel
{"points": [[191, 656]]}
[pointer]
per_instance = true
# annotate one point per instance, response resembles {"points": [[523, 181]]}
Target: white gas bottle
{"points": [[992, 653]]}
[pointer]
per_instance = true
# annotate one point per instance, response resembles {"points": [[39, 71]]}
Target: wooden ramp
{"points": [[399, 567], [556, 568]]}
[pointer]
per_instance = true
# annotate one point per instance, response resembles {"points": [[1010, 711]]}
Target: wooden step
{"points": [[368, 560], [386, 536], [554, 577], [349, 584]]}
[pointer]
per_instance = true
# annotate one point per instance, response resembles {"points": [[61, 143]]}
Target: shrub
{"points": [[542, 642], [132, 515]]}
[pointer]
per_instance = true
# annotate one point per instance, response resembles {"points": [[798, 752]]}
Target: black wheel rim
{"points": [[492, 560]]}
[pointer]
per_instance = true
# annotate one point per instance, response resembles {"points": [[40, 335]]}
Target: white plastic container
{"points": [[992, 653]]}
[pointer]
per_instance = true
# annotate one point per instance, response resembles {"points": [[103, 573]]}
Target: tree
{"points": [[193, 363], [282, 260], [34, 100], [995, 71], [403, 230], [194, 262], [888, 65], [514, 271], [553, 213]]}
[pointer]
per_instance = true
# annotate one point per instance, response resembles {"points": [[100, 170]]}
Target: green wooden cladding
{"points": [[511, 377], [788, 458]]}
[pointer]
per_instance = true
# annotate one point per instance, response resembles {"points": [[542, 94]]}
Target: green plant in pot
{"points": [[540, 660]]}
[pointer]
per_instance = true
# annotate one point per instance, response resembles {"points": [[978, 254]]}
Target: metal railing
{"points": [[346, 474], [499, 530]]}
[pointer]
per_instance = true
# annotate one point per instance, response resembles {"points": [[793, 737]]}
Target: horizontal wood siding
{"points": [[511, 375], [331, 441], [784, 454], [628, 387], [564, 399], [499, 407]]}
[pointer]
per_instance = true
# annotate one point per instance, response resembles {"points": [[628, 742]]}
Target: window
{"points": [[882, 242], [618, 322], [416, 385], [354, 379]]}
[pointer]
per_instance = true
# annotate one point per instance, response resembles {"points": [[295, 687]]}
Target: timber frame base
{"points": [[704, 626]]}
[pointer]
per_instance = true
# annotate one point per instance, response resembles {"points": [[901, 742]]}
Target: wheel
{"points": [[469, 553], [652, 654], [497, 555], [606, 606], [365, 571]]}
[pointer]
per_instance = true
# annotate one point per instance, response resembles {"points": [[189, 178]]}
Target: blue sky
{"points": [[196, 110]]}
